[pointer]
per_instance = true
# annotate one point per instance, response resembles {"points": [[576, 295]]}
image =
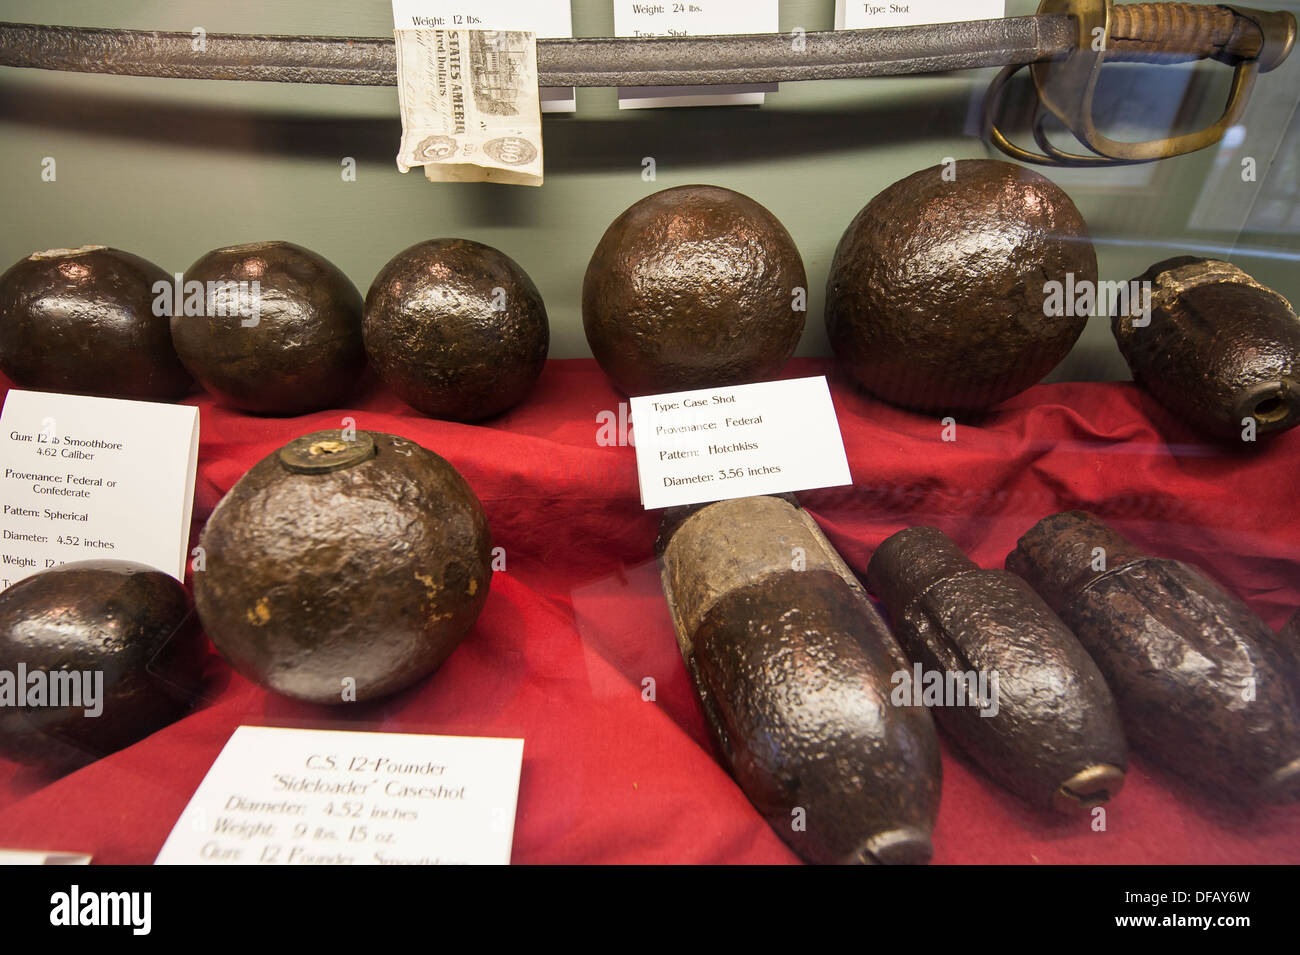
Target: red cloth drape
{"points": [[577, 622]]}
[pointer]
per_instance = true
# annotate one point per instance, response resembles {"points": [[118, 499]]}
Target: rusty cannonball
{"points": [[90, 321], [940, 294], [113, 650], [693, 287], [344, 566], [456, 328], [270, 327]]}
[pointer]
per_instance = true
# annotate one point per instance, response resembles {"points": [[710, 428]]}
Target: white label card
{"points": [[720, 443], [550, 18], [865, 14], [694, 18], [95, 479], [30, 857], [328, 797]]}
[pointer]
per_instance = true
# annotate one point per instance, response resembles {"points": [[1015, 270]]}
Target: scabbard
{"points": [[792, 666], [1049, 729], [1199, 680]]}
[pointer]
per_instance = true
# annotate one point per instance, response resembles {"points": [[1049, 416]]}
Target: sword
{"points": [[1064, 47]]}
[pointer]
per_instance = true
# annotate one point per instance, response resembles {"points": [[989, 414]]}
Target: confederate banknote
{"points": [[470, 106]]}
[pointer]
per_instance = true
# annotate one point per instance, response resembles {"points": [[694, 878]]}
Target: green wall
{"points": [[169, 169]]}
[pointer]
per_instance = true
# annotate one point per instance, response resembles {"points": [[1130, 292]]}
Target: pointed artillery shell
{"points": [[1199, 681], [1048, 728], [792, 666], [1220, 350]]}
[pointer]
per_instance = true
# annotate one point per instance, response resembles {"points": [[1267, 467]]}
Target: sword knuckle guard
{"points": [[1251, 41]]}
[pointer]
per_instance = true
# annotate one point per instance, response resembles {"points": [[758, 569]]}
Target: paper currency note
{"points": [[470, 105]]}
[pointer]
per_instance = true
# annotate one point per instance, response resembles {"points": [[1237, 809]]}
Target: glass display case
{"points": [[417, 470]]}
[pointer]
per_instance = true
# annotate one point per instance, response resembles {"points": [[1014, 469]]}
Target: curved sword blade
{"points": [[605, 61]]}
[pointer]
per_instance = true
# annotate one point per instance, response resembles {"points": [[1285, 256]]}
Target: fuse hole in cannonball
{"points": [[1271, 409]]}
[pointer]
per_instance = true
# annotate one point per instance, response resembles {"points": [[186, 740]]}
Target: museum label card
{"points": [[694, 18], [865, 14], [31, 857], [280, 796], [95, 479], [546, 18], [720, 443]]}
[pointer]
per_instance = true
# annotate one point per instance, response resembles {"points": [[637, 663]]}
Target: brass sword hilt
{"points": [[1252, 41]]}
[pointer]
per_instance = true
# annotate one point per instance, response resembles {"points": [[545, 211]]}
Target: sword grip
{"points": [[1180, 32]]}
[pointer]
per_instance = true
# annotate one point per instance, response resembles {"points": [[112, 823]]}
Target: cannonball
{"points": [[344, 566], [457, 329], [938, 297], [693, 287], [90, 321], [279, 331], [113, 643]]}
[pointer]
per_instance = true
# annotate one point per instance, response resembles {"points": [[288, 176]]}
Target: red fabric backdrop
{"points": [[576, 622]]}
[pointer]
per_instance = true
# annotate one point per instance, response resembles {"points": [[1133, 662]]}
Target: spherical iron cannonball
{"points": [[693, 287], [940, 297], [90, 321], [343, 567], [279, 332], [116, 648], [457, 329]]}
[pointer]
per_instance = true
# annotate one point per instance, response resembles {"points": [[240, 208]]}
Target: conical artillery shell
{"points": [[793, 668], [1197, 676], [1027, 702], [1220, 350]]}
